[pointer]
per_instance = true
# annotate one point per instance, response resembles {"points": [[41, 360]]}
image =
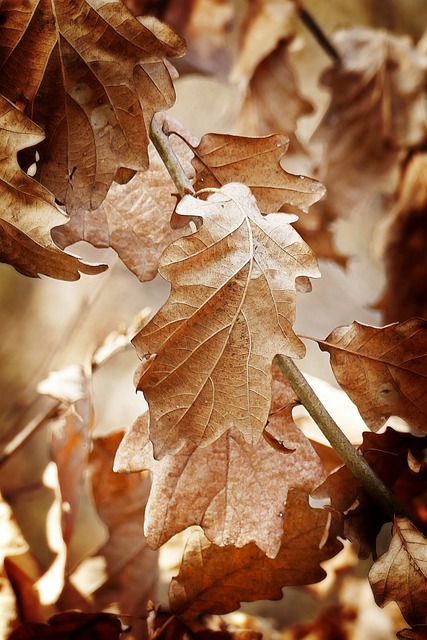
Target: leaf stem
{"points": [[318, 33], [352, 458], [168, 156]]}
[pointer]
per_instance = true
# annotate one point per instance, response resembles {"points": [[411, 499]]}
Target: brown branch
{"points": [[318, 33]]}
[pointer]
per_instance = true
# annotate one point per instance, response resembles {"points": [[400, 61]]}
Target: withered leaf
{"points": [[216, 579], [70, 442], [383, 370], [204, 485], [231, 309], [377, 111], [418, 632], [97, 77], [134, 218], [28, 209], [71, 625], [131, 567], [400, 574], [221, 158]]}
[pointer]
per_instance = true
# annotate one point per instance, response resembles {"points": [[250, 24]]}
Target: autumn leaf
{"points": [[72, 624], [96, 79], [134, 218], [28, 211], [131, 567], [383, 370], [70, 442], [204, 485], [221, 158], [216, 579], [401, 573], [393, 456], [376, 113], [230, 311]]}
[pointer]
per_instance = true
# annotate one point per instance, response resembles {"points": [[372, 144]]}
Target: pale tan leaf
{"points": [[97, 76], [216, 579], [134, 218], [383, 370], [204, 485], [70, 442], [401, 573], [377, 112], [231, 309], [221, 158], [131, 567], [28, 209]]}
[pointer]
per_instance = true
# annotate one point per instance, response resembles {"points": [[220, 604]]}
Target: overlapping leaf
{"points": [[377, 112], [204, 485], [221, 158], [96, 77], [401, 573], [134, 218], [214, 579], [28, 210], [230, 311], [383, 370]]}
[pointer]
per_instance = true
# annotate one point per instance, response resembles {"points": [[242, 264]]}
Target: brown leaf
{"points": [[131, 569], [383, 370], [28, 209], [96, 79], [71, 625], [390, 455], [70, 437], [221, 158], [405, 247], [273, 101], [419, 632], [204, 485], [400, 574], [377, 111], [23, 570], [216, 579], [134, 218], [230, 311]]}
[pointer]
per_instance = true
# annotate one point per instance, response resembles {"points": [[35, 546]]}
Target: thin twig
{"points": [[317, 32], [352, 458], [168, 156]]}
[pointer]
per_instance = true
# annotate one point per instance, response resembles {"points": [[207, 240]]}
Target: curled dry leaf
{"points": [[405, 247], [377, 112], [231, 309], [130, 566], [400, 574], [70, 437], [134, 218], [383, 370], [70, 625], [221, 158], [97, 77], [217, 579], [28, 210], [204, 486]]}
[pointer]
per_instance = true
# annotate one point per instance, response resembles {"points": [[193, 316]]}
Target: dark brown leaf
{"points": [[72, 625]]}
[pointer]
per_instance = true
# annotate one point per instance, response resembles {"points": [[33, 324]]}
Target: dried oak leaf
{"points": [[28, 209], [418, 632], [383, 370], [377, 112], [71, 625], [231, 309], [134, 218], [405, 246], [70, 441], [204, 485], [393, 456], [216, 579], [97, 76], [131, 567], [400, 574], [221, 158]]}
